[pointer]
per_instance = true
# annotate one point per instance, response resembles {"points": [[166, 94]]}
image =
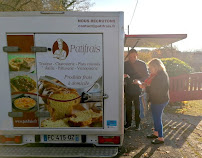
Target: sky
{"points": [[160, 17]]}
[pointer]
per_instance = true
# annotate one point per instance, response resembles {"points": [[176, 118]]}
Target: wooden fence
{"points": [[186, 87]]}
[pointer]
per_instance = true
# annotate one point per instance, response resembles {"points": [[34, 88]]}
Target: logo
{"points": [[60, 49]]}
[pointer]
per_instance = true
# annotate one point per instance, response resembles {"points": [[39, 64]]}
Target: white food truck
{"points": [[61, 84]]}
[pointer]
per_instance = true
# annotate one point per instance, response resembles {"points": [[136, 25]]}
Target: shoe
{"points": [[156, 141], [152, 136], [137, 128]]}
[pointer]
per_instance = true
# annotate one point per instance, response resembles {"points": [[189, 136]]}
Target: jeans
{"points": [[157, 110]]}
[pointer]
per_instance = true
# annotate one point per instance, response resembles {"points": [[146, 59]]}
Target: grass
{"points": [[193, 108]]}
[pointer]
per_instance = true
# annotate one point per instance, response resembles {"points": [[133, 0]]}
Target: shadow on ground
{"points": [[182, 138]]}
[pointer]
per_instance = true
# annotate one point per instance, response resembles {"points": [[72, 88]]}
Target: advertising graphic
{"points": [[70, 84], [21, 62], [60, 49], [64, 85], [23, 81]]}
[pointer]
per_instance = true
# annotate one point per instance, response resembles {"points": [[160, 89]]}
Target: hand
{"points": [[137, 82], [126, 76], [142, 86]]}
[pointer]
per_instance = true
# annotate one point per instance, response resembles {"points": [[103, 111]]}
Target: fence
{"points": [[186, 87]]}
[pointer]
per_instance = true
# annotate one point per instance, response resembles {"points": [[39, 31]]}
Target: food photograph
{"points": [[66, 106], [23, 102], [23, 83], [22, 62]]}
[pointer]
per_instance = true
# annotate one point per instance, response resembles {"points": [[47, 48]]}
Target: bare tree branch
{"points": [[70, 4], [8, 6], [40, 5], [23, 4], [17, 2]]}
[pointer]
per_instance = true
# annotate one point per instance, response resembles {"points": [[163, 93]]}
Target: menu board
{"points": [[70, 81], [23, 81]]}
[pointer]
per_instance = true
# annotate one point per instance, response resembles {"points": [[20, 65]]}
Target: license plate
{"points": [[61, 138]]}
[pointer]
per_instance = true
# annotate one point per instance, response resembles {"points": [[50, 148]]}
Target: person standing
{"points": [[157, 88], [134, 69]]}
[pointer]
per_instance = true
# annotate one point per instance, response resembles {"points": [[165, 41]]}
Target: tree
{"points": [[45, 5], [21, 5], [176, 67], [71, 5]]}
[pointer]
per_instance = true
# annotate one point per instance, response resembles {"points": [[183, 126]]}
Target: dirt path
{"points": [[183, 137]]}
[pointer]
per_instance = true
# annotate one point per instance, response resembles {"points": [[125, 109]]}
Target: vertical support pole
{"points": [[128, 34]]}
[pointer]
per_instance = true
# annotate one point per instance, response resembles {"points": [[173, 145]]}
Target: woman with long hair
{"points": [[157, 88]]}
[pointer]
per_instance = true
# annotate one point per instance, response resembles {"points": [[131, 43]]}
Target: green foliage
{"points": [[145, 56], [176, 67]]}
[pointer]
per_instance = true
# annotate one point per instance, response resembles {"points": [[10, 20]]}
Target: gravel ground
{"points": [[183, 137]]}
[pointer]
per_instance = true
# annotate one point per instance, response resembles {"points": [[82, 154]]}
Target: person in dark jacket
{"points": [[157, 88], [133, 69]]}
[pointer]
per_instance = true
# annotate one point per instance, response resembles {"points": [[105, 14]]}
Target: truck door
{"points": [[70, 80]]}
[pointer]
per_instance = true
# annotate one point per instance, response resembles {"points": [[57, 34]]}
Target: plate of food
{"points": [[24, 103], [23, 83], [15, 64], [21, 64]]}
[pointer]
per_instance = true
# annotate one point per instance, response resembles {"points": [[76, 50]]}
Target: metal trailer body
{"points": [[78, 52]]}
